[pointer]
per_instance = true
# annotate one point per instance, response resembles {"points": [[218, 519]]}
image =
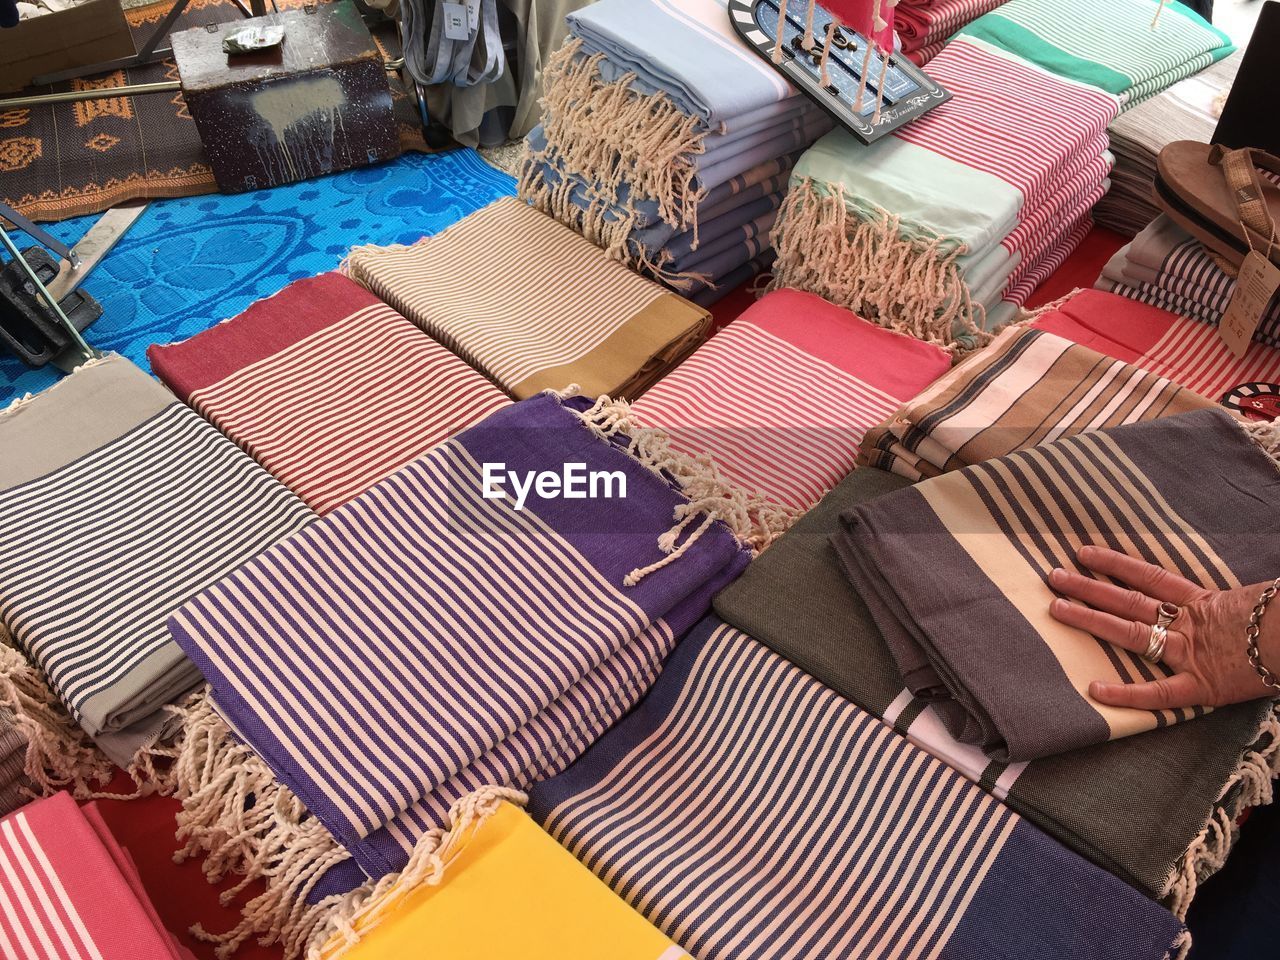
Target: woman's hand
{"points": [[1206, 645]]}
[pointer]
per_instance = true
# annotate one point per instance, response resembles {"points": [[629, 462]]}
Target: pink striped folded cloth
{"points": [[68, 891], [921, 23], [327, 387], [781, 397]]}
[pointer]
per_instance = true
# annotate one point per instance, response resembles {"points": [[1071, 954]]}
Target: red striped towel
{"points": [[327, 387], [781, 397], [1184, 351]]}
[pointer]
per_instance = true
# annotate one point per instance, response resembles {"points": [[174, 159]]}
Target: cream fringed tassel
{"points": [[362, 910], [1267, 437], [60, 755], [609, 135], [1250, 785], [246, 823], [913, 286], [755, 521], [1180, 947]]}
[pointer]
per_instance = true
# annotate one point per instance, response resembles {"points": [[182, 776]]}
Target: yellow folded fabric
{"points": [[502, 888]]}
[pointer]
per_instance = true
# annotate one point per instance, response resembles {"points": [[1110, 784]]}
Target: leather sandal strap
{"points": [[1239, 169]]}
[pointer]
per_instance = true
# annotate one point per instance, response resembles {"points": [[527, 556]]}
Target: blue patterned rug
{"points": [[187, 264]]}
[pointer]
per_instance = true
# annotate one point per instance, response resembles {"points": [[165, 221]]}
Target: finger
{"points": [[1105, 626], [1142, 576], [1167, 693], [1129, 604]]}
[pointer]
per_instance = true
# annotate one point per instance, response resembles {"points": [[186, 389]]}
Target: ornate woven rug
{"points": [[68, 159]]}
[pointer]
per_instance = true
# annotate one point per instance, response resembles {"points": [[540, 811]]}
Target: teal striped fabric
{"points": [[1118, 45]]}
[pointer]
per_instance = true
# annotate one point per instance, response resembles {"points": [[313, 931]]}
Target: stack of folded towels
{"points": [[69, 890], [1168, 268], [942, 228], [667, 141], [1131, 48], [1186, 111], [925, 26]]}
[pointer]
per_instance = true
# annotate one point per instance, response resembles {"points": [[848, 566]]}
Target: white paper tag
{"points": [[455, 21], [473, 15], [1259, 280]]}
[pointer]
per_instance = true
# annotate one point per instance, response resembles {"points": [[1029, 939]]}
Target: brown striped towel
{"points": [[533, 305], [1192, 493], [1028, 387]]}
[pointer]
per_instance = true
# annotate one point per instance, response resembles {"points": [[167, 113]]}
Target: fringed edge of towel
{"points": [[613, 235], [912, 286], [1266, 434], [361, 911], [1180, 947], [28, 398], [243, 821], [754, 520], [1250, 785], [610, 134], [60, 755]]}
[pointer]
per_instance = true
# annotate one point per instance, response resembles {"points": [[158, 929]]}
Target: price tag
{"points": [[455, 21], [1258, 283], [473, 15]]}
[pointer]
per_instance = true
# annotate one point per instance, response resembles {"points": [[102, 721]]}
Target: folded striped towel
{"points": [[896, 229], [1166, 267], [107, 478], [924, 26], [488, 634], [563, 314], [999, 528], [1148, 809], [1028, 387], [68, 890], [1131, 48], [505, 889], [806, 828], [327, 387], [1185, 351], [735, 399]]}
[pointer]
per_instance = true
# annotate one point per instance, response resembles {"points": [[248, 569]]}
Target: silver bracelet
{"points": [[1252, 631]]}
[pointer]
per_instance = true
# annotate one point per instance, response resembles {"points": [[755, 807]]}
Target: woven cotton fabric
{"points": [[806, 828], [735, 399], [1117, 45], [1027, 388], [327, 387], [69, 891], [1137, 807], [444, 676], [945, 225], [509, 890], [564, 313], [110, 477], [998, 528], [1166, 267], [924, 26]]}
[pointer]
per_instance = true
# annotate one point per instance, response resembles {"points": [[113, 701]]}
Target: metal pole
{"points": [[106, 93], [35, 280]]}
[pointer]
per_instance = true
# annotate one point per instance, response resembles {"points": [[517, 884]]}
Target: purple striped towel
{"points": [[425, 639]]}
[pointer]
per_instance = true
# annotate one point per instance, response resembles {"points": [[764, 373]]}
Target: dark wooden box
{"points": [[317, 103]]}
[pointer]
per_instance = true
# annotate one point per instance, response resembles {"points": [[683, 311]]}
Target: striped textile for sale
{"points": [[1001, 526], [1185, 351], [752, 814], [972, 204], [327, 387], [1166, 267], [1116, 45], [563, 312], [1028, 387], [924, 26], [111, 480], [780, 399], [479, 631], [69, 892]]}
